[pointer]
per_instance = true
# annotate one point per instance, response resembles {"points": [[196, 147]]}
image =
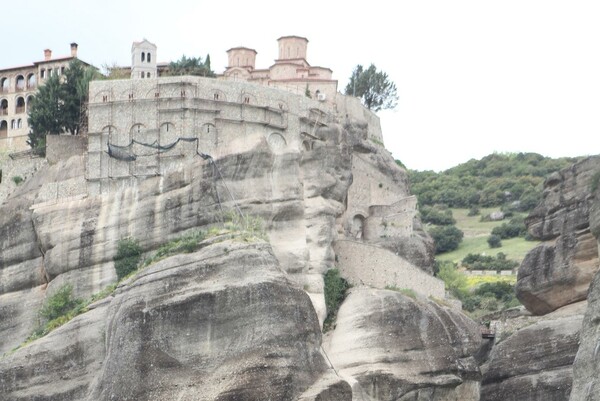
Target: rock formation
{"points": [[559, 270], [223, 323], [392, 347], [536, 360], [233, 320], [586, 372]]}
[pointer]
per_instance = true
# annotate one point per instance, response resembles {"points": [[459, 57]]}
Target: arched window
{"points": [[148, 75], [4, 84], [20, 106], [29, 99], [358, 227], [31, 81], [149, 57], [20, 83], [13, 124], [43, 73], [3, 129], [136, 128], [3, 107], [143, 57], [19, 123]]}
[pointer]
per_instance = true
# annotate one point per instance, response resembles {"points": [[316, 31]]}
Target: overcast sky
{"points": [[473, 76]]}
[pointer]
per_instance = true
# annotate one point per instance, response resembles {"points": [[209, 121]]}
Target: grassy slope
{"points": [[475, 239]]}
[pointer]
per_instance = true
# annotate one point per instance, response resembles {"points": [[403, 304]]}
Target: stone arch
{"points": [[281, 105], [3, 129], [3, 107], [31, 81], [20, 105], [103, 96], [208, 138], [20, 83], [247, 98], [219, 95], [28, 102], [276, 142], [4, 84], [357, 229], [137, 128]]}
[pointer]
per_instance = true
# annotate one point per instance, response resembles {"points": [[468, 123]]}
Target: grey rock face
{"points": [[220, 324], [558, 271], [534, 363], [391, 347], [586, 371]]}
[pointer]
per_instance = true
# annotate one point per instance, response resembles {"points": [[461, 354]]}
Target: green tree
{"points": [[191, 66], [75, 95], [447, 238], [373, 87], [45, 114], [494, 241], [57, 105]]}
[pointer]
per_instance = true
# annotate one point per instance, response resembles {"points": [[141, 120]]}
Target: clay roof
{"points": [[292, 37], [241, 48]]}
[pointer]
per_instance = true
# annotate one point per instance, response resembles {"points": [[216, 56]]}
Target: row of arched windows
{"points": [[21, 83], [14, 124], [20, 107]]}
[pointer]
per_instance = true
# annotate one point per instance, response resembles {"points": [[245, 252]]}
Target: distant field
{"points": [[475, 239]]}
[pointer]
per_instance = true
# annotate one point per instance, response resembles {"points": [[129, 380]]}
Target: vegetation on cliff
{"points": [[58, 105], [512, 180], [374, 88]]}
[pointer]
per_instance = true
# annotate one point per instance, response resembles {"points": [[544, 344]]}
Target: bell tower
{"points": [[143, 60]]}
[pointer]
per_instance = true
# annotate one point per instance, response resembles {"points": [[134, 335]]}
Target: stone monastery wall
{"points": [[225, 117]]}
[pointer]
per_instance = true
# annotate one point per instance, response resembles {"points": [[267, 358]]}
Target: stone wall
{"points": [[61, 147], [364, 264], [224, 117]]}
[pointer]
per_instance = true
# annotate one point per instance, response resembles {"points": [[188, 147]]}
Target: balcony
{"points": [[3, 112], [20, 109]]}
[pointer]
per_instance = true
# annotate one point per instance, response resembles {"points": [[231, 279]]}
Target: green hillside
{"points": [[475, 238]]}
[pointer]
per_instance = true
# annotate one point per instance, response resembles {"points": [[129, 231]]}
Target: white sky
{"points": [[473, 76]]}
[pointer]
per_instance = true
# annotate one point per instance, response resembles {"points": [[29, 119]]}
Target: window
{"points": [[148, 75], [31, 81], [43, 73], [149, 57], [4, 84], [13, 124], [20, 106], [216, 96], [143, 57], [19, 123], [3, 107], [50, 72], [247, 99], [20, 82], [29, 99], [3, 128]]}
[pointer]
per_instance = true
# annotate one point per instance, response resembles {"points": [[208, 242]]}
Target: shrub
{"points": [[474, 211], [250, 227], [59, 303], [128, 257], [17, 179], [335, 293], [485, 262], [447, 238], [409, 292], [456, 282], [186, 244], [514, 228], [494, 241], [437, 215]]}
